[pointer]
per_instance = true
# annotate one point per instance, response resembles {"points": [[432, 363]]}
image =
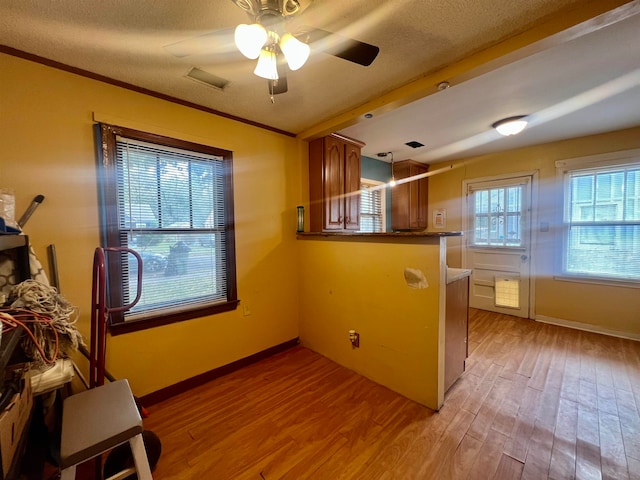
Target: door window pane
{"points": [[498, 216]]}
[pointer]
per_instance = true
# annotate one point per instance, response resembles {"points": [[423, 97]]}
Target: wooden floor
{"points": [[537, 401]]}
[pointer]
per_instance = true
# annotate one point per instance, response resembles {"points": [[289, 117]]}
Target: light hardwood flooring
{"points": [[536, 401]]}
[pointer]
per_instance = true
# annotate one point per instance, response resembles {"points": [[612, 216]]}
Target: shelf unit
{"points": [[17, 247]]}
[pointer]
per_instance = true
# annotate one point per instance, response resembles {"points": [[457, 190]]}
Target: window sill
{"points": [[498, 247], [168, 318], [382, 235], [598, 281]]}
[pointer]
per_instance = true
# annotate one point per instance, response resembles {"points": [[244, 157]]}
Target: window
{"points": [[372, 204], [601, 224], [497, 216], [172, 202]]}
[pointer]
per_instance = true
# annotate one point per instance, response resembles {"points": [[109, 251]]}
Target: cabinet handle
{"points": [[340, 219], [347, 220]]}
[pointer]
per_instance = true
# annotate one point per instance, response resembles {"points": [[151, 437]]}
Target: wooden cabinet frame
{"points": [[334, 184], [409, 201]]}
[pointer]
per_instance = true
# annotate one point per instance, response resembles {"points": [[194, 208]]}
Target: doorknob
{"points": [[523, 257]]}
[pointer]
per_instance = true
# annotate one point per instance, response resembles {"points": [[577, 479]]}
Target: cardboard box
{"points": [[13, 423]]}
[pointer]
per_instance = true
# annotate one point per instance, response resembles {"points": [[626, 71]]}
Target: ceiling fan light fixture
{"points": [[267, 66], [295, 51], [250, 39], [511, 125]]}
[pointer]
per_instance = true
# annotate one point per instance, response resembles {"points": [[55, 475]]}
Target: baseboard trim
{"points": [[181, 387], [587, 327]]}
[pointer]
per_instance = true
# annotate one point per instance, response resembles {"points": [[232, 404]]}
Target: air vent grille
{"points": [[207, 78], [414, 144]]}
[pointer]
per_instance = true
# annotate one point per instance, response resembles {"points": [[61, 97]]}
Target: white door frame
{"points": [[533, 174]]}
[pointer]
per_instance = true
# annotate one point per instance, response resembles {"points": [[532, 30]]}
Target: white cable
{"points": [[45, 300]]}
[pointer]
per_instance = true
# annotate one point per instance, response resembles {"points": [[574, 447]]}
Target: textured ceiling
{"points": [[585, 86], [131, 41]]}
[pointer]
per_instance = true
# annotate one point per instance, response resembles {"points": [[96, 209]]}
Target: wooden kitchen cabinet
{"points": [[334, 184], [456, 332], [409, 201]]}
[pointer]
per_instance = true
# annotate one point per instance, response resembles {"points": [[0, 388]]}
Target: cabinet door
{"points": [[456, 330], [418, 193], [400, 198], [352, 187], [333, 184], [423, 201]]}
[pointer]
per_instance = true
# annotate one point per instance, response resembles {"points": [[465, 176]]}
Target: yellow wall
{"points": [[314, 289], [598, 306], [360, 285], [47, 147]]}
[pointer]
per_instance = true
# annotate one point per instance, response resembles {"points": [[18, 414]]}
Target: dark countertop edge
{"points": [[382, 236]]}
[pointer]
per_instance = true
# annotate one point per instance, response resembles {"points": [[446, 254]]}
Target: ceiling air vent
{"points": [[414, 144], [207, 78]]}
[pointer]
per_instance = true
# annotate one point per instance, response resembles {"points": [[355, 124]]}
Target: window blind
{"points": [[371, 209], [170, 205], [602, 222]]}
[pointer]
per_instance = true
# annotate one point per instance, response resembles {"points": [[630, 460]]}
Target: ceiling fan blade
{"points": [[279, 86], [343, 47], [217, 42]]}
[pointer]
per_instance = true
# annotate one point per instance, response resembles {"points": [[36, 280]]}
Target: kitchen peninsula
{"points": [[391, 289]]}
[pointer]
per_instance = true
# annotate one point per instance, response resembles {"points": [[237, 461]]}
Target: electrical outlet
{"points": [[354, 337], [246, 311]]}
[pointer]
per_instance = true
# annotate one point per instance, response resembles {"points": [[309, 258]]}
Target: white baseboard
{"points": [[587, 327]]}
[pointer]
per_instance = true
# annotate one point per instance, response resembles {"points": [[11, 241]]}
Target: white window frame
{"points": [[592, 162]]}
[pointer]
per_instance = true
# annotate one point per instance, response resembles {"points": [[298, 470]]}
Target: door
{"points": [[498, 244]]}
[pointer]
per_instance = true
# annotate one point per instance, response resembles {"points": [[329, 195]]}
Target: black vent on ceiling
{"points": [[414, 144]]}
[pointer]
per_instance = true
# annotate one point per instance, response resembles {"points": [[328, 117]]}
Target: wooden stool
{"points": [[98, 420]]}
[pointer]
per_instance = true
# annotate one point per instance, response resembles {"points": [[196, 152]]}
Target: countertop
{"points": [[454, 274], [381, 235]]}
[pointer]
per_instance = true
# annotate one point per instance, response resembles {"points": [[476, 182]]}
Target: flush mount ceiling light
{"points": [[511, 125]]}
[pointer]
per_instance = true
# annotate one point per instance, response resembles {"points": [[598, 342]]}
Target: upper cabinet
{"points": [[334, 183], [409, 201]]}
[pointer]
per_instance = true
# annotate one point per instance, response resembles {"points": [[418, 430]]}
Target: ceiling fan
{"points": [[267, 39]]}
